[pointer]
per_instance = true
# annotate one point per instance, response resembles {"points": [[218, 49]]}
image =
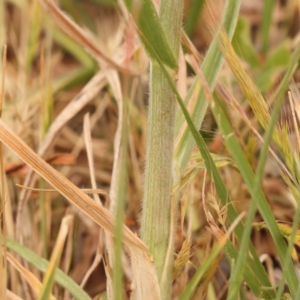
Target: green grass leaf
{"points": [[210, 68], [151, 32]]}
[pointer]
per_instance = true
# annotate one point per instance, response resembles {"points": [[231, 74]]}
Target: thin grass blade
{"points": [[213, 58], [55, 258]]}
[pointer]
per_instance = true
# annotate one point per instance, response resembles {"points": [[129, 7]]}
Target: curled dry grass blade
{"points": [[144, 275]]}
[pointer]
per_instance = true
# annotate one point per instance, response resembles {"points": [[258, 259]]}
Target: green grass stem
{"points": [[119, 185], [156, 214]]}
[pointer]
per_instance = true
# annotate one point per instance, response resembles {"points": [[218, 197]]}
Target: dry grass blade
{"points": [[90, 90], [97, 213], [85, 96], [112, 78], [66, 260], [87, 191], [55, 257], [88, 144], [82, 37], [33, 282], [89, 151], [145, 279]]}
